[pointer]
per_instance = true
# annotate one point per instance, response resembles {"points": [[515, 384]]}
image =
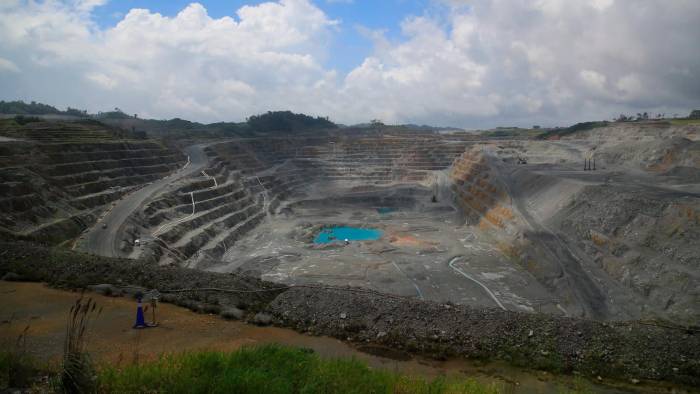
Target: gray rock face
{"points": [[646, 240], [232, 313], [262, 319]]}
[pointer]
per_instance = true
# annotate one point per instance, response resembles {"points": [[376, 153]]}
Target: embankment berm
{"points": [[633, 351]]}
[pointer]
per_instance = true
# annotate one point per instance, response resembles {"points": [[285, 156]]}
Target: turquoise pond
{"points": [[350, 233], [385, 210]]}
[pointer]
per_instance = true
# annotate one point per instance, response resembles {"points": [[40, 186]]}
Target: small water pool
{"points": [[385, 210], [350, 233]]}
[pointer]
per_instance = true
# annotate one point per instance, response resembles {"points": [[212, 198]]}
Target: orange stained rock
{"points": [[411, 241]]}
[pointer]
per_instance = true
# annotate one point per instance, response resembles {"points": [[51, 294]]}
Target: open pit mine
{"points": [[576, 247]]}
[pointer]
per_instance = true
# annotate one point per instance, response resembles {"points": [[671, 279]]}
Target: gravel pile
{"points": [[67, 269], [630, 350]]}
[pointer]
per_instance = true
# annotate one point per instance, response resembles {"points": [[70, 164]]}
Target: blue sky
{"points": [[349, 47]]}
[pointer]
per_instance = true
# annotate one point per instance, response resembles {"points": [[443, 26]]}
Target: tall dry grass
{"points": [[78, 374]]}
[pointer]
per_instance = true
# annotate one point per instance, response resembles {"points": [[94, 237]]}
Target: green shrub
{"points": [[572, 129], [269, 369], [17, 369], [22, 120]]}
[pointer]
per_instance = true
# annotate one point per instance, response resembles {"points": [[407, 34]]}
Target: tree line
{"points": [[287, 121], [33, 108]]}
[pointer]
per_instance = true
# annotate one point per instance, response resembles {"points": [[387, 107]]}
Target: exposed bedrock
{"points": [[609, 244], [646, 240], [484, 192]]}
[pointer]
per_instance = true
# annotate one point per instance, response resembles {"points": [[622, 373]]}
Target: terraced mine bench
{"points": [[271, 171], [63, 173]]}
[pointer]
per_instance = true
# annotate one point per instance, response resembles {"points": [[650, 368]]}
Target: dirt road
{"points": [[103, 237]]}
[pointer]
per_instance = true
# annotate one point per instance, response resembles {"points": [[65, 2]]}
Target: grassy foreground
{"points": [[270, 369], [685, 122]]}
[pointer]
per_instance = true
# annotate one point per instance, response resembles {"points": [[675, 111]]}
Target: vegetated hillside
{"points": [[275, 122], [270, 123], [56, 176], [177, 129], [515, 132], [555, 134], [34, 108], [288, 121]]}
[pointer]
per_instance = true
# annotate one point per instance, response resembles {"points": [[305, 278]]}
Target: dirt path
{"points": [[488, 291], [103, 237], [113, 340]]}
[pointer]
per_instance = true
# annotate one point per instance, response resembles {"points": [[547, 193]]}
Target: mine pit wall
{"points": [[658, 147], [646, 242], [642, 242], [52, 191], [383, 159], [222, 215], [477, 191], [484, 192], [257, 176]]}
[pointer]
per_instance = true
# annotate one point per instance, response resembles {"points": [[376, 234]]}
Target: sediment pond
{"points": [[345, 233]]}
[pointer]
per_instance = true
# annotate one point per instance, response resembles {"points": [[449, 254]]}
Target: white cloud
{"points": [[593, 80], [8, 66], [555, 61], [88, 5], [602, 5], [102, 80], [484, 62]]}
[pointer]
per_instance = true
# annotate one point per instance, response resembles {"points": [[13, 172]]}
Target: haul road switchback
{"points": [[102, 238]]}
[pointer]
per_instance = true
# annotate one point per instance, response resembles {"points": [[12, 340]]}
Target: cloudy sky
{"points": [[466, 63]]}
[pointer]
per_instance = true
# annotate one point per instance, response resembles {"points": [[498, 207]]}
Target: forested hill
{"points": [[268, 123], [288, 121], [34, 108]]}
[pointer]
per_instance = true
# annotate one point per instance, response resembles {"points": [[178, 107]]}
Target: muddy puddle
{"points": [[112, 340]]}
